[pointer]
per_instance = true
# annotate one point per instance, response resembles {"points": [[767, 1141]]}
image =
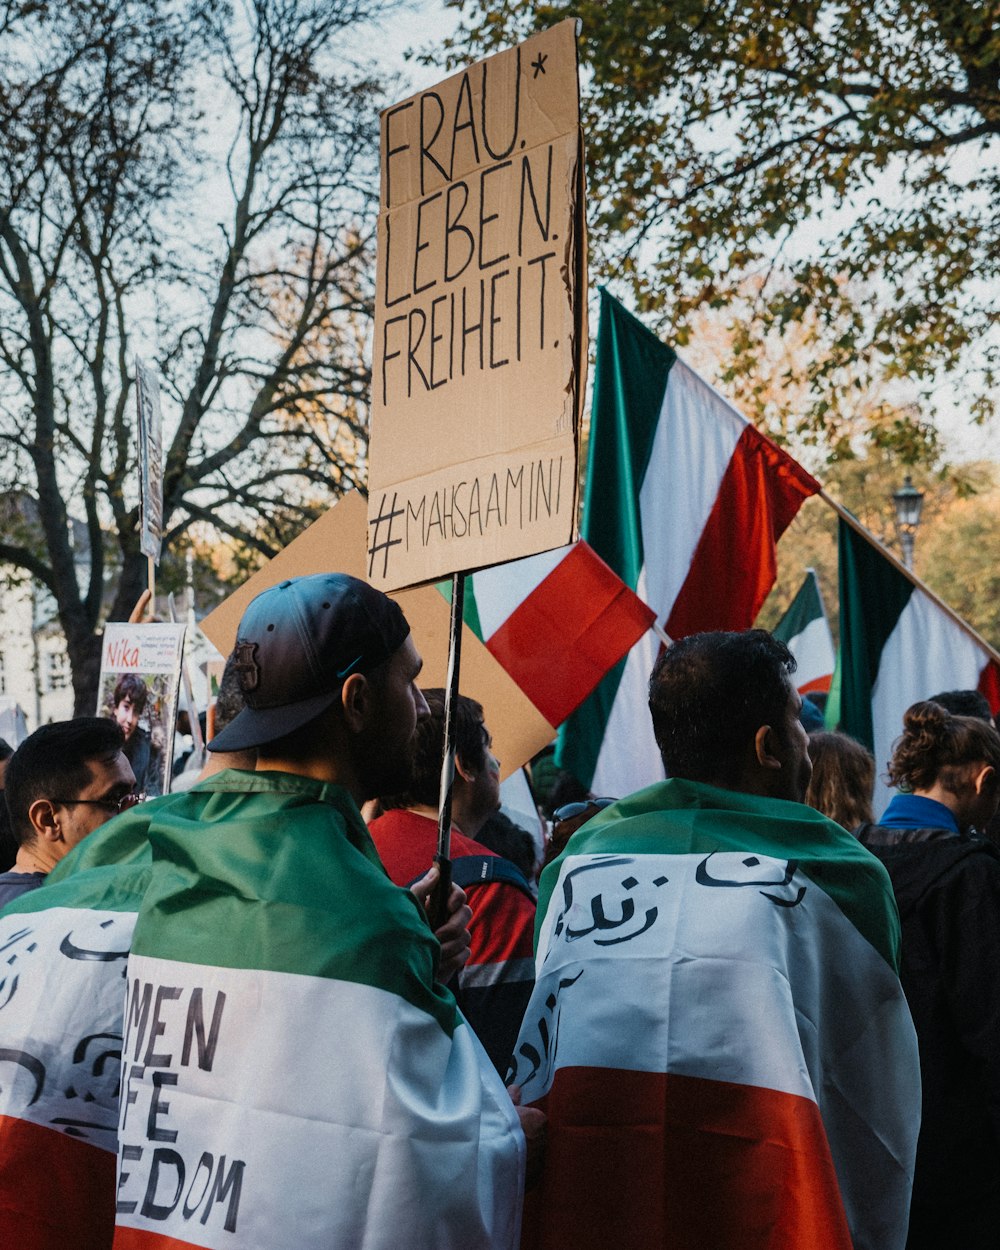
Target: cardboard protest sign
{"points": [[147, 391], [140, 674], [480, 318], [336, 543]]}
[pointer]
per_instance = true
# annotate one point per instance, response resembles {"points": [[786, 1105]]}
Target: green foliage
{"points": [[839, 155]]}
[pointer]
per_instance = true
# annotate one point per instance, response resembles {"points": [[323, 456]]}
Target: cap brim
{"points": [[256, 727]]}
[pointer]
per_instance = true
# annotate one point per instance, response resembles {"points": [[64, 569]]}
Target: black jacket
{"points": [[947, 886]]}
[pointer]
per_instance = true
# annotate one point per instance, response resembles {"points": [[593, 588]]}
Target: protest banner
{"points": [[147, 391], [336, 543], [480, 320], [140, 674]]}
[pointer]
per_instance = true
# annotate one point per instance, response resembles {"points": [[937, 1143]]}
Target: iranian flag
{"points": [[898, 644], [557, 622], [292, 1076], [718, 1034], [62, 991], [64, 949], [806, 632], [685, 501]]}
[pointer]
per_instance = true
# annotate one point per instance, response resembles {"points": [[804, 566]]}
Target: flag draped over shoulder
{"points": [[897, 645], [64, 949], [557, 622], [718, 1034], [806, 632], [292, 1074], [685, 501]]}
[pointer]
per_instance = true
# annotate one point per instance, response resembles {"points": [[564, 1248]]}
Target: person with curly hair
{"points": [[946, 879]]}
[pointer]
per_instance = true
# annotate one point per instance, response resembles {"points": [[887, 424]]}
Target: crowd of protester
{"points": [[264, 853]]}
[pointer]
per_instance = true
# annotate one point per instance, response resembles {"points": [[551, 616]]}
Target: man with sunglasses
{"points": [[63, 782]]}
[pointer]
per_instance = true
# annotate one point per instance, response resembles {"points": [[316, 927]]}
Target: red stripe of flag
{"points": [[989, 685], [574, 626], [145, 1239], [693, 1164], [56, 1191], [734, 564]]}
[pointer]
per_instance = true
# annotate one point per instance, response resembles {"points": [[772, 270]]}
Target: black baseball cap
{"points": [[297, 644]]}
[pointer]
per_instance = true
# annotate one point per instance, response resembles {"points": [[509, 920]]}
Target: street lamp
{"points": [[908, 502]]}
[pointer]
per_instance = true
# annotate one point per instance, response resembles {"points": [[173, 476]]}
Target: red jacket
{"points": [[494, 986]]}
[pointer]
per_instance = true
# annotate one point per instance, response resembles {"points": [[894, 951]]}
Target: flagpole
{"points": [[898, 564], [438, 907]]}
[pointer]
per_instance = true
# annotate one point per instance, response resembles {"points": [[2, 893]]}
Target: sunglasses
{"points": [[113, 806], [569, 810]]}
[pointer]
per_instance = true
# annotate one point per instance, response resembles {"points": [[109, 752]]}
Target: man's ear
{"points": [[763, 742], [44, 820], [465, 773], [984, 778], [356, 701]]}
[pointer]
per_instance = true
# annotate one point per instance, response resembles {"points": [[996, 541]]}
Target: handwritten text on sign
{"points": [[480, 317]]}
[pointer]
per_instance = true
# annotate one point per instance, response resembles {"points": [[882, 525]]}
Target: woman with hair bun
{"points": [[946, 879]]}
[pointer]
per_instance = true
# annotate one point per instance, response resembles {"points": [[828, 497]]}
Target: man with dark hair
{"points": [[63, 782], [129, 702], [717, 1030], [493, 988], [716, 700], [358, 1108], [281, 862], [965, 703]]}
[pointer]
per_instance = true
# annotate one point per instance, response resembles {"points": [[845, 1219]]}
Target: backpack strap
{"points": [[469, 870]]}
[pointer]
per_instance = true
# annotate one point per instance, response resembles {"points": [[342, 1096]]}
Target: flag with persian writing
{"points": [[64, 949], [685, 500], [292, 1074], [716, 994], [557, 622], [806, 632], [898, 644]]}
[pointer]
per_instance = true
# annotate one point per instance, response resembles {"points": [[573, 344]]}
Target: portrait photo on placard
{"points": [[138, 689]]}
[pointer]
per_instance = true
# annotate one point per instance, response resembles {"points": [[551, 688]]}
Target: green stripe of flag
{"points": [[831, 713], [873, 595], [111, 888], [687, 818], [807, 606], [470, 609], [630, 379], [278, 872]]}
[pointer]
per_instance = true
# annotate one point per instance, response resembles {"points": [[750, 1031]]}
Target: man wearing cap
{"points": [[292, 1073]]}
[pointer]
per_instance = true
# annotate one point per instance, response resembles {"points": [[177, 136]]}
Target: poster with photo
{"points": [[140, 677]]}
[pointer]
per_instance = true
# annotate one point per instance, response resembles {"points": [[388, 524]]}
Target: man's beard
{"points": [[382, 775]]}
